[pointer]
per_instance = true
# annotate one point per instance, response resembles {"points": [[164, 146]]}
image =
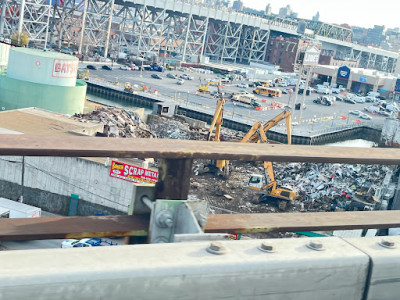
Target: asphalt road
{"points": [[315, 117]]}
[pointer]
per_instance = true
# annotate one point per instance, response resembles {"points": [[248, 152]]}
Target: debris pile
{"points": [[118, 122], [332, 187], [321, 187], [177, 128], [169, 128]]}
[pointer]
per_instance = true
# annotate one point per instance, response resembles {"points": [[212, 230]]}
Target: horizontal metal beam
{"points": [[77, 146], [137, 225], [289, 222], [72, 227]]}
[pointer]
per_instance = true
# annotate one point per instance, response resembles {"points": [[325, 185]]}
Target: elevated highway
{"points": [[185, 29]]}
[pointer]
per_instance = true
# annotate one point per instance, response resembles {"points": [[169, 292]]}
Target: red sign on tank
{"points": [[65, 68]]}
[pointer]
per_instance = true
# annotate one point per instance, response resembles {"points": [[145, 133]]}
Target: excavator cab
{"points": [[256, 182]]}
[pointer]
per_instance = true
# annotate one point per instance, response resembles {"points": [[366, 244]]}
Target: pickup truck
{"points": [[157, 68], [247, 98]]}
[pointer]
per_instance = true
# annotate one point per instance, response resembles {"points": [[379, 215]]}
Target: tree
{"points": [[20, 39], [24, 39]]}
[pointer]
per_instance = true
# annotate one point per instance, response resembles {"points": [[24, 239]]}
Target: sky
{"points": [[363, 13]]}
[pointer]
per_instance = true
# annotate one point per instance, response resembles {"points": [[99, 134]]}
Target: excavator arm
{"points": [[273, 122]]}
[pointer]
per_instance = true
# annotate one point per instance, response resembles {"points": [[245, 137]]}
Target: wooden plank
{"points": [[77, 146], [73, 227], [289, 222]]}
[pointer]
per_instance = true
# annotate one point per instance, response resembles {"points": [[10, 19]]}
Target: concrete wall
{"points": [[50, 181], [19, 94]]}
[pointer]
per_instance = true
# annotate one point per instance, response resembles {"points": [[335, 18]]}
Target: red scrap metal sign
{"points": [[132, 173]]}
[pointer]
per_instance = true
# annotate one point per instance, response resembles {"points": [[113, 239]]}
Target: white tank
{"points": [[4, 52], [43, 67]]}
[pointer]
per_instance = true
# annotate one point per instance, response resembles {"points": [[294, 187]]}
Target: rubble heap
{"points": [[177, 128], [321, 187], [333, 186], [118, 122]]}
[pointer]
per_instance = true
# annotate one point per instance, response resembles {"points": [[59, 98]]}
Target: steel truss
{"points": [[223, 40], [31, 16], [330, 31], [139, 29], [253, 44]]}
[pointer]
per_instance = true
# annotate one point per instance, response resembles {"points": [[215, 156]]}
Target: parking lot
{"points": [[314, 117]]}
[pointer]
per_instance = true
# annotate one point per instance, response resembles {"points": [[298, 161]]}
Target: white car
{"points": [[242, 85], [126, 68], [283, 84], [355, 112], [364, 116], [372, 109], [359, 99], [71, 243], [186, 76], [180, 81]]}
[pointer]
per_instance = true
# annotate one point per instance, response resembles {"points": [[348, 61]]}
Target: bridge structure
{"points": [[182, 28]]}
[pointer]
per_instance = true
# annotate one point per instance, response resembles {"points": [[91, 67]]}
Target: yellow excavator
{"points": [[203, 88], [83, 74], [256, 134], [270, 191]]}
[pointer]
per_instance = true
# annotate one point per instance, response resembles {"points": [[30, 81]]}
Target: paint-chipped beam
{"points": [[72, 227], [290, 222], [180, 149]]}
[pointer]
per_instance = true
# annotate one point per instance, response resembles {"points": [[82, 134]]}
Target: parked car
{"points": [[347, 100], [359, 99], [180, 81], [91, 67], [126, 68], [106, 67], [172, 76], [384, 113], [339, 98], [355, 112], [242, 85], [364, 116], [372, 109], [370, 99], [283, 84], [186, 77], [72, 243], [156, 76]]}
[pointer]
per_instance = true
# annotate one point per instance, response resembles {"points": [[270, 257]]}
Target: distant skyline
{"points": [[362, 13]]}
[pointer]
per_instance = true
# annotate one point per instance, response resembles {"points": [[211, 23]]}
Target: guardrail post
{"points": [[173, 179]]}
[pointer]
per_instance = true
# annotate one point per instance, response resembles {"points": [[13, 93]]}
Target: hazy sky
{"points": [[364, 13]]}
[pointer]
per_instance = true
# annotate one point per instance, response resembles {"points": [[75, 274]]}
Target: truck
{"points": [[322, 89], [157, 68], [324, 100], [19, 210], [247, 99]]}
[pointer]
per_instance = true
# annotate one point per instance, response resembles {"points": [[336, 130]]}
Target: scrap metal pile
{"points": [[173, 128], [118, 122], [332, 187]]}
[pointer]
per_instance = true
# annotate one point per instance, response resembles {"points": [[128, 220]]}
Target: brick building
{"points": [[282, 51]]}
